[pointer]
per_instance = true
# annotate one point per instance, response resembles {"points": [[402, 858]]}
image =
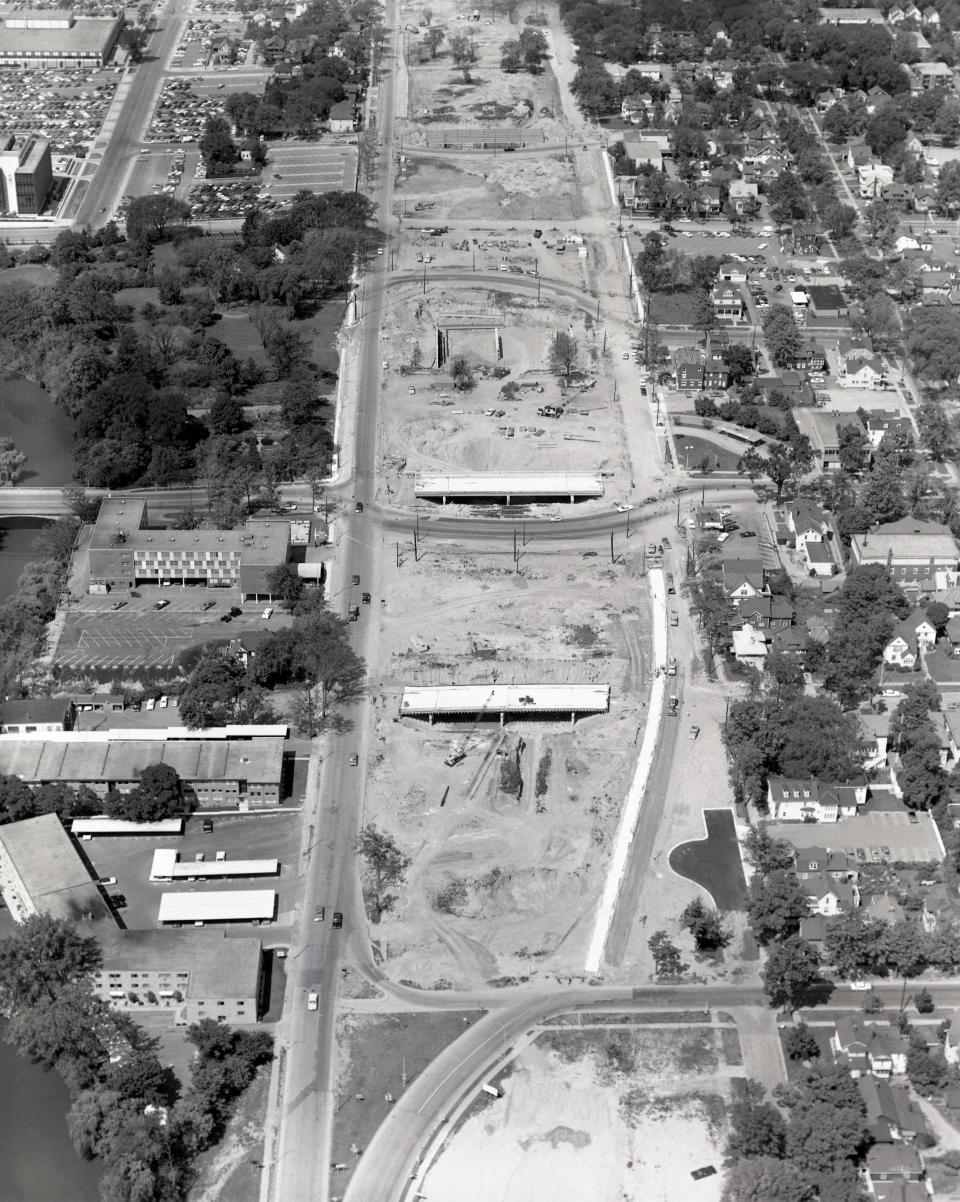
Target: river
{"points": [[39, 429], [37, 1160]]}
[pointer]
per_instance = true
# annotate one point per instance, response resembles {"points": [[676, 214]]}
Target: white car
{"points": [[267, 613], [624, 508], [860, 986], [313, 1000]]}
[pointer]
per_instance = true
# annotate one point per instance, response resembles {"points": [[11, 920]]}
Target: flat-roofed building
{"points": [[42, 872], [55, 38], [910, 548], [26, 174], [167, 866], [196, 974], [239, 772], [239, 905], [503, 701], [510, 486], [101, 826], [124, 552], [34, 715]]}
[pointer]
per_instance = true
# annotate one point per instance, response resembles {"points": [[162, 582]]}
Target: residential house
{"points": [[862, 371], [869, 1049], [905, 242], [807, 523], [952, 634], [951, 1043], [826, 300], [743, 578], [811, 801], [931, 18], [899, 195], [876, 730], [892, 1115], [858, 154], [633, 108], [273, 48], [911, 637], [910, 548], [728, 303], [716, 373], [883, 422], [812, 862], [688, 364], [895, 1173], [743, 196], [37, 715], [804, 238], [926, 76], [826, 437], [766, 613], [872, 179], [342, 117], [827, 99], [936, 283], [828, 897], [813, 930], [790, 642], [732, 273], [810, 357], [707, 200], [851, 16], [749, 646], [818, 559], [641, 152]]}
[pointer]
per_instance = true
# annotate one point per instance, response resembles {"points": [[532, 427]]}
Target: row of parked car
{"points": [[181, 113], [230, 198], [66, 107]]}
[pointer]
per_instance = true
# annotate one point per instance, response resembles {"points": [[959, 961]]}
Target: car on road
{"points": [[313, 1000], [226, 618], [267, 613], [354, 760], [625, 355], [161, 604], [624, 508], [354, 613], [235, 611], [108, 880], [379, 250], [672, 666], [118, 605], [319, 913], [290, 507], [118, 901], [208, 826], [651, 548], [365, 598], [356, 579], [748, 533], [337, 920], [860, 986], [358, 508], [207, 605]]}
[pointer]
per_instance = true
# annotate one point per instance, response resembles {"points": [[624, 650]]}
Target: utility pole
{"points": [[612, 557], [514, 544], [398, 554]]}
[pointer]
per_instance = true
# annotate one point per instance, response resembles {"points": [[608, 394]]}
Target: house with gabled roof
{"points": [[930, 17], [766, 613], [892, 1114], [868, 1048], [743, 578], [809, 800], [912, 637], [828, 896], [812, 862], [807, 523], [890, 1169], [862, 371]]}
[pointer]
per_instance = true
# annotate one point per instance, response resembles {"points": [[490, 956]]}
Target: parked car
{"points": [[319, 913], [354, 760], [313, 1000], [208, 605], [108, 880], [208, 826], [118, 901], [267, 613], [162, 604], [366, 598], [337, 920]]}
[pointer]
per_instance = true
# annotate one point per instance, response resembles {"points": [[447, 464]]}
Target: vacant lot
{"points": [[378, 1055], [601, 1115]]}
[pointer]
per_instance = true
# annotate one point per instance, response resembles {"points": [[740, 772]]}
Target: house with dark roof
{"points": [[826, 300], [911, 637], [37, 715], [807, 523], [881, 422], [809, 800], [766, 613], [810, 862], [743, 578], [862, 371], [818, 559], [869, 1049], [895, 1173], [688, 368], [892, 1114], [728, 303], [828, 897]]}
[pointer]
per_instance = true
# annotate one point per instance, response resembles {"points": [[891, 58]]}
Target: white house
{"points": [[810, 801], [807, 524], [911, 638], [862, 371], [829, 897], [749, 646]]}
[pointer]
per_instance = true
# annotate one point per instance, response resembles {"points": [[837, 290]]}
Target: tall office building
{"points": [[26, 174]]}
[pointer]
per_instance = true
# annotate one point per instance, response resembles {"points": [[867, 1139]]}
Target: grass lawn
{"points": [[241, 336], [720, 459], [374, 1052], [671, 308], [714, 862]]}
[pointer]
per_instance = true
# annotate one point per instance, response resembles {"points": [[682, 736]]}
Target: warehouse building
{"points": [[124, 552], [41, 872], [228, 905], [167, 866], [220, 768], [36, 40], [196, 974]]}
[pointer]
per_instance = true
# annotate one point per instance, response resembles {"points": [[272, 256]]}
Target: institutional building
{"points": [[41, 872], [124, 552], [234, 767], [36, 40], [26, 174], [910, 548], [196, 974]]}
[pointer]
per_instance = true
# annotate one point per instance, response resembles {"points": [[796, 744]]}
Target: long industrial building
{"points": [[196, 974], [235, 767], [452, 703], [510, 487], [239, 905], [46, 38], [125, 552], [167, 866], [41, 872]]}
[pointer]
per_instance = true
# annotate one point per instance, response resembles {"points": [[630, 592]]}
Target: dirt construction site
{"points": [[509, 844], [517, 416], [599, 1114]]}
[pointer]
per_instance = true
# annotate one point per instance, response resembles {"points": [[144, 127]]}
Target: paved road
{"points": [[106, 187]]}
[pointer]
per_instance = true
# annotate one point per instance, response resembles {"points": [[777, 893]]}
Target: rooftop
{"points": [[34, 709], [241, 905], [88, 35], [219, 966], [52, 871]]}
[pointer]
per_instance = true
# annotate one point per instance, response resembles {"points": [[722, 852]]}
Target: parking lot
{"points": [[325, 166], [137, 635], [227, 199], [876, 836], [274, 835], [67, 107]]}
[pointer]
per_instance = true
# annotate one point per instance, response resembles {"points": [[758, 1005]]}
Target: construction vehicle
{"points": [[454, 756], [672, 666], [550, 411]]}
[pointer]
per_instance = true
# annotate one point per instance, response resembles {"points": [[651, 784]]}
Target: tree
{"points": [[791, 969], [853, 446], [938, 615], [218, 692], [933, 343], [285, 587], [158, 795], [783, 338], [756, 1127], [927, 1073], [703, 315], [386, 867], [781, 465], [563, 354], [904, 949], [739, 361], [936, 431], [42, 956], [923, 1000], [705, 926], [800, 1043], [882, 494], [667, 961], [11, 462], [149, 217], [787, 199], [765, 853], [462, 373], [217, 148], [432, 39], [767, 1179], [775, 905], [852, 946], [948, 188], [226, 416], [824, 1138], [463, 50]]}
